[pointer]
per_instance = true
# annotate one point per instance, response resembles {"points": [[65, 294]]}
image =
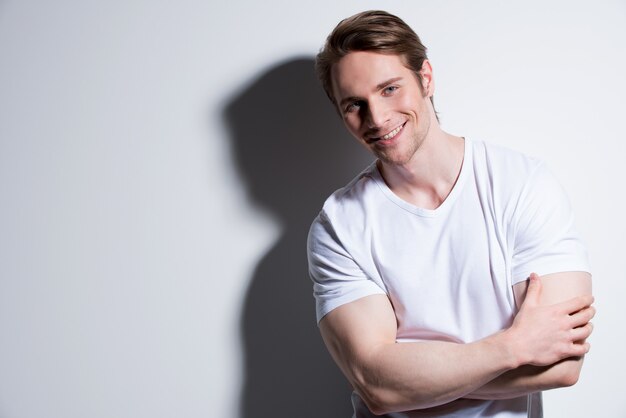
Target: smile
{"points": [[393, 133], [389, 135]]}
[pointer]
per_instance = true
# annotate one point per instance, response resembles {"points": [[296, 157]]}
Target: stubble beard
{"points": [[400, 157]]}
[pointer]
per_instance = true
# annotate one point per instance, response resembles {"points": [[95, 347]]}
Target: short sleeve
{"points": [[337, 278], [546, 240]]}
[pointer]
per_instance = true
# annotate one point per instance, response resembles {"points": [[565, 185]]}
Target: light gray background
{"points": [[150, 219]]}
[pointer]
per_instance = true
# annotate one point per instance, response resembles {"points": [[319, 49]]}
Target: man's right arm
{"points": [[392, 376]]}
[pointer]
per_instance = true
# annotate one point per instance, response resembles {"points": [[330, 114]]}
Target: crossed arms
{"points": [[542, 349]]}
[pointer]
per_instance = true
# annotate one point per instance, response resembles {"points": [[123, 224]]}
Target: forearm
{"points": [[393, 376], [529, 379], [407, 376]]}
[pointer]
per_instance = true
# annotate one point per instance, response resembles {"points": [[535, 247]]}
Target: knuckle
{"points": [[563, 350]]}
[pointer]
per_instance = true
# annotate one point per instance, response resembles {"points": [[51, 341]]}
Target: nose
{"points": [[377, 115]]}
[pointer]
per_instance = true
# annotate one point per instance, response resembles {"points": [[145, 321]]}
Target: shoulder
{"points": [[503, 161], [505, 173], [352, 200], [345, 213]]}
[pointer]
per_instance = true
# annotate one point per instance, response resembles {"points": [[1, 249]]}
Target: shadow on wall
{"points": [[292, 152]]}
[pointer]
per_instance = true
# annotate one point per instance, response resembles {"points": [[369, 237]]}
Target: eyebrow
{"points": [[379, 86], [384, 84]]}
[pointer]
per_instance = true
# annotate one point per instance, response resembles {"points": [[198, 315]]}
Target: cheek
{"points": [[410, 101], [406, 102], [352, 124], [417, 107]]}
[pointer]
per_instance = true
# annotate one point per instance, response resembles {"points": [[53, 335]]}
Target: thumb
{"points": [[534, 289]]}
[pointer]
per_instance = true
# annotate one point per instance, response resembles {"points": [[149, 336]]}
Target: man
{"points": [[423, 266]]}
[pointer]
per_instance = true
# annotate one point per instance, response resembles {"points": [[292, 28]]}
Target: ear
{"points": [[428, 82]]}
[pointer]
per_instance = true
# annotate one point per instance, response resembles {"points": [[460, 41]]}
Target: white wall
{"points": [[157, 174]]}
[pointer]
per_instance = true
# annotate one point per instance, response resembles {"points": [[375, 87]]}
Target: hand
{"points": [[545, 334]]}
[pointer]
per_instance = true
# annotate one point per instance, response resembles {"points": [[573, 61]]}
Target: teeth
{"points": [[392, 133]]}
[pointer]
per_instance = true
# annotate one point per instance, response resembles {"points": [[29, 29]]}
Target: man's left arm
{"points": [[556, 287]]}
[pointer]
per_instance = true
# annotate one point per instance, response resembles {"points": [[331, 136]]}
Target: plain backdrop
{"points": [[160, 163]]}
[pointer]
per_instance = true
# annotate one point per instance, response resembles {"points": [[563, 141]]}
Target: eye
{"points": [[354, 106], [390, 90]]}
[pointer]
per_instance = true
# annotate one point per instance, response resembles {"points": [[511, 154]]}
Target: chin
{"points": [[396, 157], [396, 160]]}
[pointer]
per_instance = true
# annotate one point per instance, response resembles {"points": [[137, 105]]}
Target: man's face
{"points": [[382, 104]]}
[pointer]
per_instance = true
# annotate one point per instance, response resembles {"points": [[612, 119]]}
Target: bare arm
{"points": [[528, 379], [399, 377]]}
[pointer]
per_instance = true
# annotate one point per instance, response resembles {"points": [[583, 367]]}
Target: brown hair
{"points": [[373, 30]]}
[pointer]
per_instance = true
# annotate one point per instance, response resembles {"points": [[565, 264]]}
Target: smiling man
{"points": [[448, 276]]}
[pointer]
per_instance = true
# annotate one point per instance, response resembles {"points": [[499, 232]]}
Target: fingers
{"points": [[582, 317], [534, 289], [574, 305], [580, 334], [577, 350]]}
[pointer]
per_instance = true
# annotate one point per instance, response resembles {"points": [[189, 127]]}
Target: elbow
{"points": [[378, 399], [374, 408], [569, 372], [382, 402], [373, 398], [570, 380], [570, 377], [381, 399], [376, 403], [380, 410]]}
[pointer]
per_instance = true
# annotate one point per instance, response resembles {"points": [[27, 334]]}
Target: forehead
{"points": [[360, 71]]}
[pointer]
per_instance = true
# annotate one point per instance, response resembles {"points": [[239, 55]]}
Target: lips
{"points": [[388, 136]]}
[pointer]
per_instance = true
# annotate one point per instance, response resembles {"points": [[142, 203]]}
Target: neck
{"points": [[428, 178]]}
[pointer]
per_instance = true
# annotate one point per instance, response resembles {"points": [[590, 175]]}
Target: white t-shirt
{"points": [[448, 272]]}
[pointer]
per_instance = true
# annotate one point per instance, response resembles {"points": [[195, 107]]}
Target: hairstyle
{"points": [[373, 30]]}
